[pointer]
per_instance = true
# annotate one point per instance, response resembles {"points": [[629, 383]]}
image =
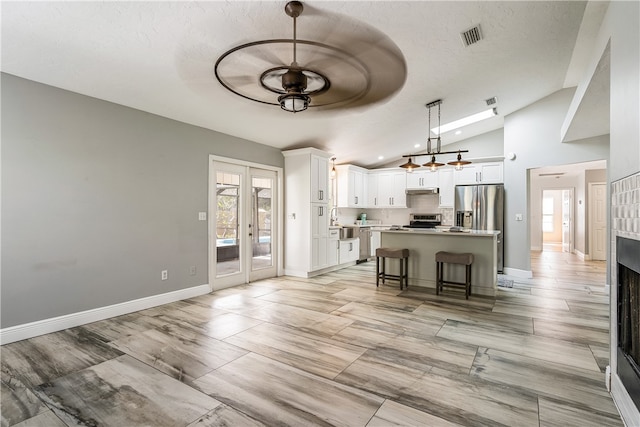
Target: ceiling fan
{"points": [[353, 66]]}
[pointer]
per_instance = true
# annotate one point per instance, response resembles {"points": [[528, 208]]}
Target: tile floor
{"points": [[331, 350]]}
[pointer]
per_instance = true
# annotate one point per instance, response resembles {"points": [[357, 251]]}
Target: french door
{"points": [[243, 224]]}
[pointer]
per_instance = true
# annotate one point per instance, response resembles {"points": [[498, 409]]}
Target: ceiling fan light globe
{"points": [[294, 102]]}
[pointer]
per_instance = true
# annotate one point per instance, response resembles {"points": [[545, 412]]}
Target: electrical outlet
{"points": [[164, 275], [202, 216], [192, 270], [518, 217]]}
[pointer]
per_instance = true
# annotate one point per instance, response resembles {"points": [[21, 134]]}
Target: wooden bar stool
{"points": [[465, 259], [398, 253]]}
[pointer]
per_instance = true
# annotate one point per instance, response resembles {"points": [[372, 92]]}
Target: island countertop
{"points": [[467, 233], [423, 244]]}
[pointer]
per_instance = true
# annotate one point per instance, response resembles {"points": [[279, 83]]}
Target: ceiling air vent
{"points": [[491, 101], [471, 36]]}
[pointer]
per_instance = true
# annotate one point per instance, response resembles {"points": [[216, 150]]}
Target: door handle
{"points": [[320, 195], [356, 200], [321, 211]]}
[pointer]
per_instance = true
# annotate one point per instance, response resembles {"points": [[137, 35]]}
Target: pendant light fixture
{"points": [[433, 165], [410, 166], [333, 168], [459, 163]]}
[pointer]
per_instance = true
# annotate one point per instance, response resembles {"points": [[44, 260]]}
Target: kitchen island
{"points": [[423, 245]]}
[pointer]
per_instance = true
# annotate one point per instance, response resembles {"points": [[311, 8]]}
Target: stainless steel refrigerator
{"points": [[481, 207]]}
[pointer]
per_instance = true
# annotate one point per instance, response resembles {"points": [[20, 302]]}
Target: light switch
{"points": [[518, 217], [202, 216]]}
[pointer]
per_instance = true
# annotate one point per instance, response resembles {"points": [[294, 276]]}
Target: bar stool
{"points": [[465, 259], [398, 253]]}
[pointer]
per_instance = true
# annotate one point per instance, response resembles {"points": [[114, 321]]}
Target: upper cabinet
{"points": [[480, 173], [392, 187], [319, 179], [423, 179], [372, 190], [386, 189], [352, 189]]}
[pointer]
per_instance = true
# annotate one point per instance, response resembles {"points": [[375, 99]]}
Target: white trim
{"points": [[55, 324], [536, 248], [582, 256], [628, 411], [524, 274]]}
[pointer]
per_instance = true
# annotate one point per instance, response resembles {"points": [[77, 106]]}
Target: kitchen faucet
{"points": [[332, 217]]}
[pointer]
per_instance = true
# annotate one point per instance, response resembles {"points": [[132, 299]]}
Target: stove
{"points": [[424, 220]]}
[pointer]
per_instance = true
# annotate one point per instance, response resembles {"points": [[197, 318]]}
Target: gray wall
{"points": [[98, 198], [490, 144], [621, 25], [533, 134]]}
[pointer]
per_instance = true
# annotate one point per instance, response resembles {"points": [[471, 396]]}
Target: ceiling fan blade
{"points": [[241, 80], [270, 55]]}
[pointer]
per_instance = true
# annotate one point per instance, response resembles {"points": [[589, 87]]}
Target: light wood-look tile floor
{"points": [[331, 350]]}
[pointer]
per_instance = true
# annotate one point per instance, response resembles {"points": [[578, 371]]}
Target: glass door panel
{"points": [[262, 221], [227, 230]]}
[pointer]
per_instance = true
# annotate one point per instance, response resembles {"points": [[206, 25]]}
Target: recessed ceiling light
{"points": [[465, 121], [380, 157], [458, 132], [417, 146]]}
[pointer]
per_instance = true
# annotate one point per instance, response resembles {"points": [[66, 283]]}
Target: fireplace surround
{"points": [[628, 318], [625, 228]]}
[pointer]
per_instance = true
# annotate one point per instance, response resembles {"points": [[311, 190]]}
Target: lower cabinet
{"points": [[319, 253], [333, 247], [349, 250]]}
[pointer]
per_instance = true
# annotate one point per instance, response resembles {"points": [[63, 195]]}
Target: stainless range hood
{"points": [[416, 191]]}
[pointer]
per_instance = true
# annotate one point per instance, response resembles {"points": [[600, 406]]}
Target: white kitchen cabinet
{"points": [[319, 179], [351, 186], [306, 233], [372, 190], [333, 249], [480, 173], [391, 188], [422, 179], [349, 250], [319, 220], [446, 187]]}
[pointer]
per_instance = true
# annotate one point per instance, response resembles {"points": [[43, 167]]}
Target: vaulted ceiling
{"points": [[159, 57]]}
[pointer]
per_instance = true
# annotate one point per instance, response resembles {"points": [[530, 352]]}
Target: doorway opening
{"points": [[557, 220]]}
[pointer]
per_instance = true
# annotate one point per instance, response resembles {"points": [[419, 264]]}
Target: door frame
{"points": [[211, 220]]}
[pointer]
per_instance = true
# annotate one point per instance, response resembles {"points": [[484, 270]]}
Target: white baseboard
{"points": [[55, 324], [536, 248], [524, 274], [628, 411], [582, 256]]}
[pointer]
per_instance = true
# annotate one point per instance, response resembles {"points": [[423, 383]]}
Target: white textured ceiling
{"points": [[159, 56]]}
